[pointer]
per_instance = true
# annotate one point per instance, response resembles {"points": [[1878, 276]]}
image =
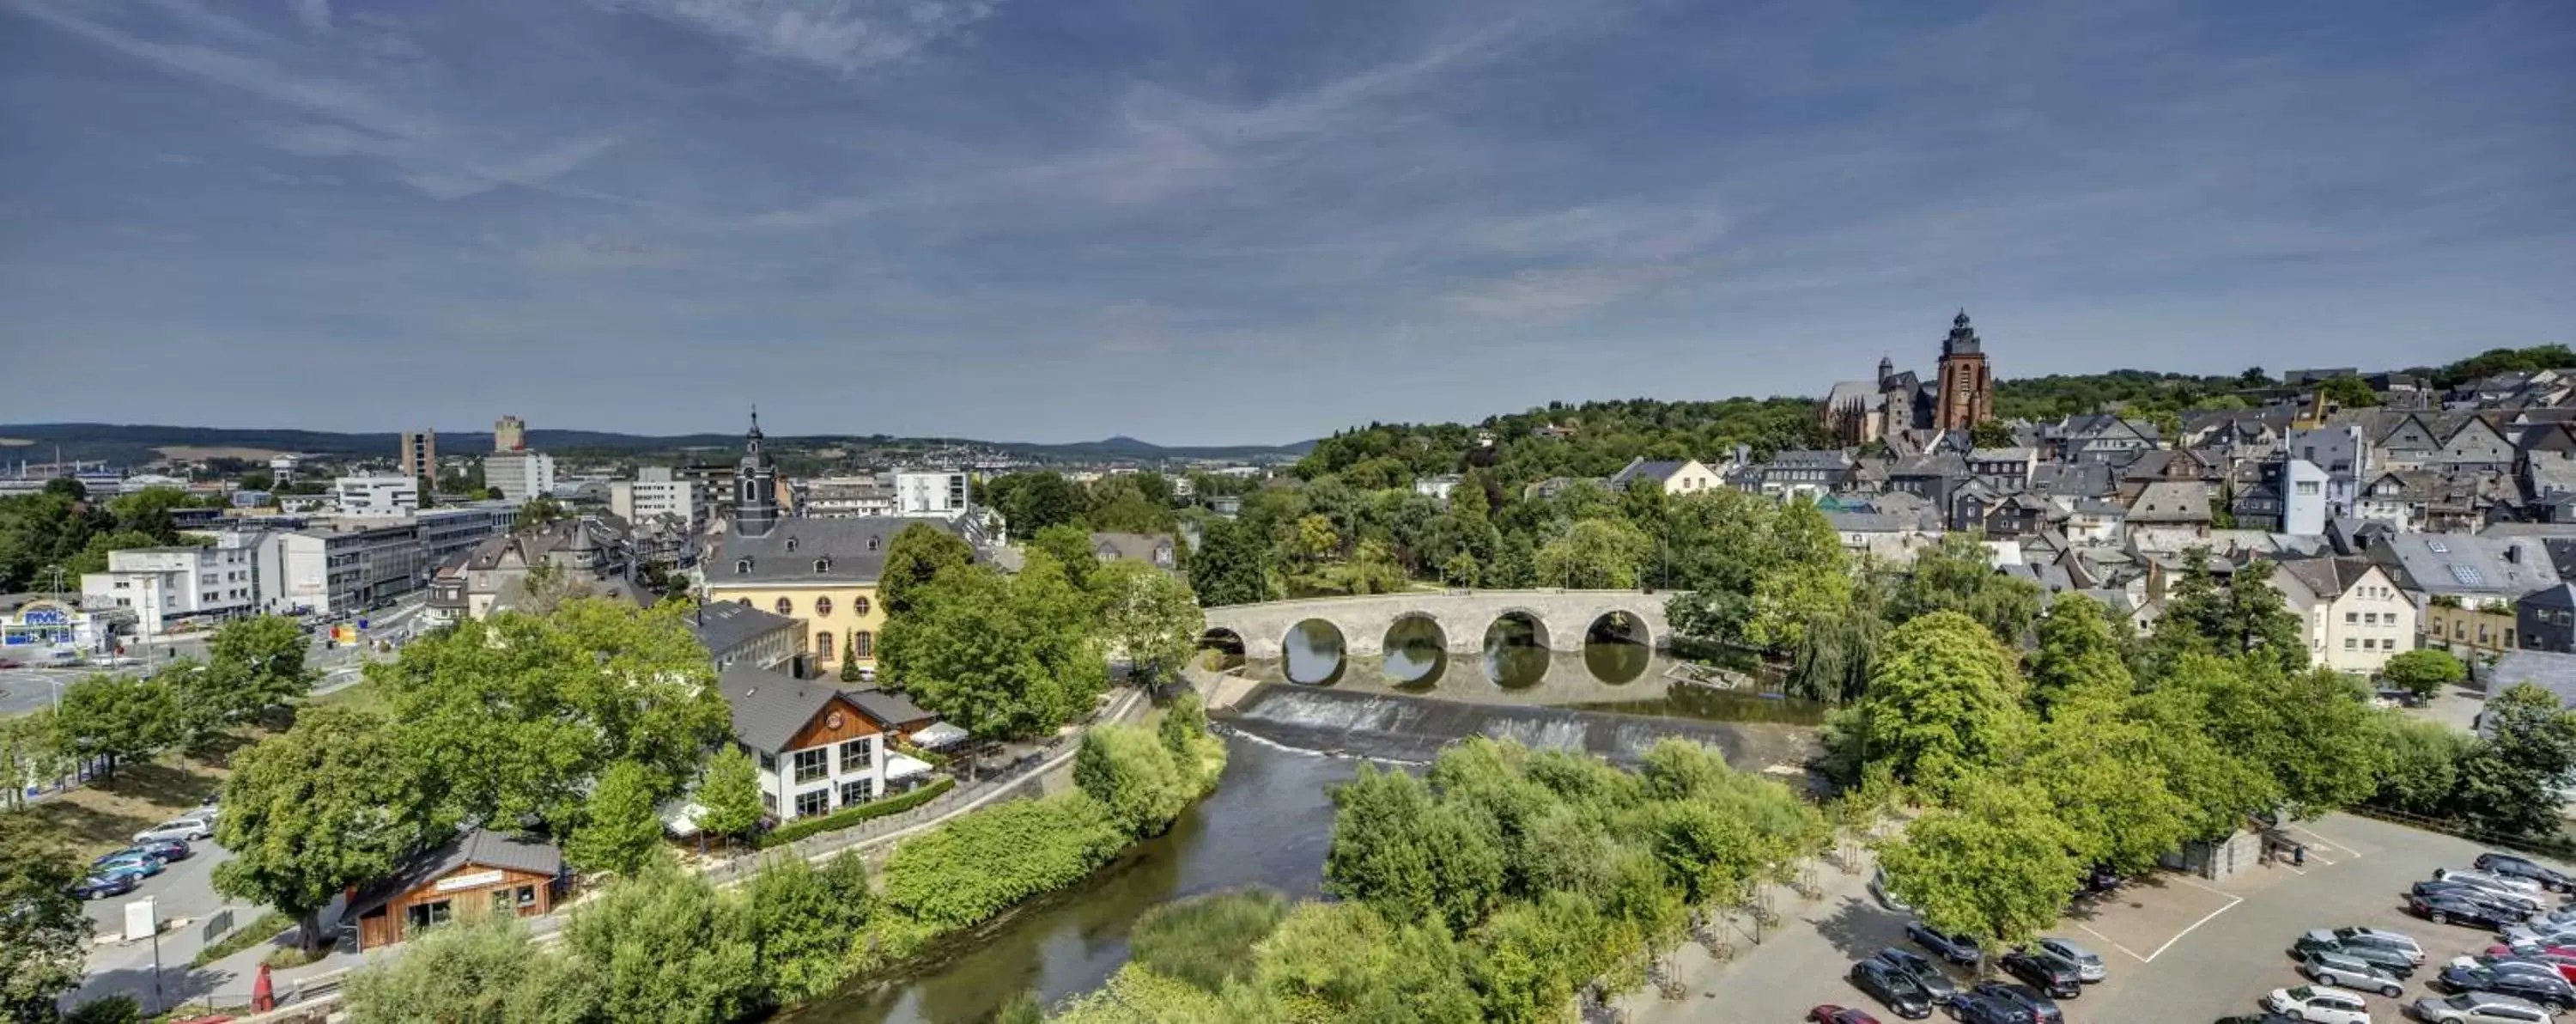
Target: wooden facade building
{"points": [[472, 876]]}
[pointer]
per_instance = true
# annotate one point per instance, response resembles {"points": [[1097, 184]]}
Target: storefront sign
{"points": [[476, 880]]}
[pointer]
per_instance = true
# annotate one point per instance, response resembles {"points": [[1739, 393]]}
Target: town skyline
{"points": [[984, 219]]}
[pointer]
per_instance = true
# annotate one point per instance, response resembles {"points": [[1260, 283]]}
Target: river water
{"points": [[1268, 823]]}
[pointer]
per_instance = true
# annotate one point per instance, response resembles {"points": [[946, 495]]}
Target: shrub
{"points": [[841, 819], [1134, 778], [1207, 941], [970, 869]]}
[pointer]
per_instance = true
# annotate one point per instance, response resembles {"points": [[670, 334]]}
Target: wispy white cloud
{"points": [[598, 253], [1553, 294], [844, 36]]}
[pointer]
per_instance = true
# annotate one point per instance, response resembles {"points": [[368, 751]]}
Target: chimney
{"points": [[2513, 552]]}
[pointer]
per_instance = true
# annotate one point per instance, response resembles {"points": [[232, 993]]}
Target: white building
{"points": [[2351, 612], [1437, 488], [168, 588], [653, 493], [519, 475], [345, 566], [2303, 498], [817, 748], [377, 495], [845, 497], [929, 493]]}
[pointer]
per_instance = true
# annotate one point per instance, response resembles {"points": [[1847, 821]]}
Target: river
{"points": [[1268, 823]]}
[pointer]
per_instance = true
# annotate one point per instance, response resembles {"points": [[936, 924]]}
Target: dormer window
{"points": [[791, 543], [872, 543], [741, 566], [822, 565]]}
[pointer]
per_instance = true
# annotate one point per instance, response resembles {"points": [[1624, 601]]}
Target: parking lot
{"points": [[2180, 949]]}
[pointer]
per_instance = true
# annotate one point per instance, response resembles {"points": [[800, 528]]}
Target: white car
{"points": [[2319, 1004], [2484, 880], [184, 829]]}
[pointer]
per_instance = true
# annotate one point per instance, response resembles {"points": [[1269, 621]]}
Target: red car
{"points": [[2561, 957], [1831, 1014]]}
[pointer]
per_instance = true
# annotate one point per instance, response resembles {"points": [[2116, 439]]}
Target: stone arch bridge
{"points": [[1563, 617]]}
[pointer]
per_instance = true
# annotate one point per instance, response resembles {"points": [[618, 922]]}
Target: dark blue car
{"points": [[116, 883]]}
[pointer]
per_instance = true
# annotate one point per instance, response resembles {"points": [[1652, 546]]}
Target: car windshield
{"points": [[2462, 1001]]}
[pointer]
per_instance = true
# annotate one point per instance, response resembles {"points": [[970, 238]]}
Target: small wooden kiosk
{"points": [[474, 875]]}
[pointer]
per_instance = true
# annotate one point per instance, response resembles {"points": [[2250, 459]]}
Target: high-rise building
{"points": [[510, 434], [420, 455], [654, 492], [1967, 392], [520, 475], [377, 495]]}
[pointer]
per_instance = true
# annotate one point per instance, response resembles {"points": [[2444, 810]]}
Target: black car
{"points": [[2511, 866], [2033, 1007], [2266, 1017], [2514, 906], [1924, 972], [1894, 989], [1958, 949], [2548, 990], [2455, 910], [2380, 957], [2045, 973]]}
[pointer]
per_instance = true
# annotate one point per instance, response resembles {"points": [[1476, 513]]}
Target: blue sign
{"points": [[45, 617], [362, 623]]}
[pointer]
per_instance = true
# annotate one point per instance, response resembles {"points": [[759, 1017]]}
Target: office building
{"points": [[179, 586], [654, 492], [342, 566], [420, 454], [377, 495], [520, 475], [929, 493]]}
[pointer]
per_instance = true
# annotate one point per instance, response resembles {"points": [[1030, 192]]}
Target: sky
{"points": [[1220, 223]]}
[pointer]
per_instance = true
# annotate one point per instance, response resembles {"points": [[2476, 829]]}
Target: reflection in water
{"points": [[1416, 653], [1269, 823], [1220, 650], [1709, 704], [1314, 653], [1614, 649], [1515, 653]]}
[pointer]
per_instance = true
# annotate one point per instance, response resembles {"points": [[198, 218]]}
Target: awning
{"points": [[937, 735], [680, 817], [898, 766]]}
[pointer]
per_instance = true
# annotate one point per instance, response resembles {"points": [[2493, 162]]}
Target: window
{"points": [[813, 802], [859, 607], [527, 897], [791, 543], [425, 915], [786, 607], [823, 646], [741, 565], [769, 802], [863, 644], [768, 762], [855, 755], [501, 902], [854, 793], [872, 543], [812, 764], [2349, 643], [2351, 617], [822, 565], [822, 607]]}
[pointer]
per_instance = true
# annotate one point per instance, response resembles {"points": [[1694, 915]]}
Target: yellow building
{"points": [[822, 571]]}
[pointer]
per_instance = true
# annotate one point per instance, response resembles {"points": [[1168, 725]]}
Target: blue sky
{"points": [[1203, 222]]}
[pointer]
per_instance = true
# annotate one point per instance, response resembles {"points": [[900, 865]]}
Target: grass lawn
{"points": [[104, 815], [364, 695]]}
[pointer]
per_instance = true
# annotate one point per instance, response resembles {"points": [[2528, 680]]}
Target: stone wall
{"points": [[1563, 616]]}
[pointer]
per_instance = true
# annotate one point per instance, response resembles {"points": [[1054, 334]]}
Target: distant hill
{"points": [[131, 444]]}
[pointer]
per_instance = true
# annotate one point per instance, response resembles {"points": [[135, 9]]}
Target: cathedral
{"points": [[1961, 395]]}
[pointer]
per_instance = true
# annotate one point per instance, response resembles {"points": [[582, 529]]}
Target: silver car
{"points": [[2340, 971], [2477, 1008], [186, 830], [2087, 963]]}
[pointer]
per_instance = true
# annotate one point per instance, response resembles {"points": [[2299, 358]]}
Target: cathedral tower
{"points": [[1966, 395]]}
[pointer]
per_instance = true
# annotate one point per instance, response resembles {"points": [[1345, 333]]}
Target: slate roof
{"points": [[2562, 595], [1134, 547], [723, 625], [2073, 479], [1640, 469], [479, 847], [1833, 459], [770, 707], [888, 708], [2171, 501], [1871, 522], [2000, 455], [2452, 563], [1930, 464], [847, 551], [2555, 673], [2327, 576]]}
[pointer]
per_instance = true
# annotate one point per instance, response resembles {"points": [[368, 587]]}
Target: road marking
{"points": [[2232, 901], [2356, 854], [2088, 930]]}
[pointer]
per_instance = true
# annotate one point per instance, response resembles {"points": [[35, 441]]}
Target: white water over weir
{"points": [[1383, 727]]}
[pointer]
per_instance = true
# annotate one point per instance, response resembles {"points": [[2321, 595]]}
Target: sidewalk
{"points": [[1813, 938], [232, 976]]}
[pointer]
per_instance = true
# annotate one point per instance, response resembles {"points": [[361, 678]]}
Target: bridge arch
{"points": [[1414, 652], [1564, 617]]}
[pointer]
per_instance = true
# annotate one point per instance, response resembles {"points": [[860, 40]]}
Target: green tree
{"points": [[2424, 760], [2349, 392], [1000, 658], [44, 938], [479, 970], [1357, 965], [118, 719], [1230, 565], [666, 946], [850, 672], [1071, 546], [1133, 776], [2506, 783], [2310, 729], [1395, 848], [2079, 652], [1595, 554], [803, 918], [2258, 619], [621, 830], [1991, 434], [915, 557], [329, 804], [1031, 502], [1958, 575], [1998, 868], [729, 791], [538, 511], [1149, 616], [1809, 579], [1944, 701], [2424, 672], [66, 487], [2195, 614], [2102, 774], [29, 750], [258, 663]]}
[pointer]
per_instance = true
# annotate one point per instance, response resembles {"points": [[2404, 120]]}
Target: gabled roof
{"points": [[476, 847], [1641, 469], [2001, 455], [889, 709], [1939, 463], [770, 708], [813, 551], [2453, 563], [723, 625], [2171, 501], [2327, 576], [2562, 595]]}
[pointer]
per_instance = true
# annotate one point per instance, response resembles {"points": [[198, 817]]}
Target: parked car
{"points": [[2517, 905], [208, 812], [2515, 866], [1878, 889], [2337, 970], [183, 829], [2539, 933], [1831, 1014], [2257, 1018], [136, 861], [2547, 989], [2030, 1004], [2489, 880], [1957, 949], [2320, 1004], [114, 883], [8, 663], [2558, 957], [166, 849], [2477, 1008], [2382, 938], [2509, 962], [2088, 964], [1893, 988], [2045, 973], [1924, 972], [2458, 910], [2321, 941]]}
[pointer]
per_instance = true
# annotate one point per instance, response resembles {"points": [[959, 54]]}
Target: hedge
{"points": [[841, 819]]}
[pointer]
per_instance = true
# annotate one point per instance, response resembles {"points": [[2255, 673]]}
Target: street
{"points": [[26, 689], [2179, 948], [184, 898]]}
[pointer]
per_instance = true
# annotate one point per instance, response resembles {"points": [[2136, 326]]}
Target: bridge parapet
{"points": [[1563, 617]]}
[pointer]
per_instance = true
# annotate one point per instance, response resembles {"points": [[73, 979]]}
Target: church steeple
{"points": [[1966, 392], [1886, 369], [1963, 338], [755, 484]]}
